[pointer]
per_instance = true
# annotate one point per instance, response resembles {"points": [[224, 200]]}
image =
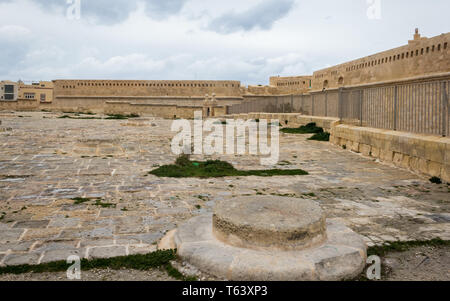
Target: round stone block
{"points": [[269, 223], [341, 256]]}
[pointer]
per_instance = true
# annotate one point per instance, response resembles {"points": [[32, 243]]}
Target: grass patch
{"points": [[135, 262], [121, 117], [71, 117], [185, 168], [324, 136], [436, 180], [98, 202], [79, 200], [310, 128], [402, 246]]}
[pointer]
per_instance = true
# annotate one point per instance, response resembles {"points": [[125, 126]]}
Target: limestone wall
{"points": [[156, 110], [424, 154], [422, 56], [106, 88], [292, 84]]}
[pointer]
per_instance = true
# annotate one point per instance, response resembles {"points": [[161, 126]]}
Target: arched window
{"points": [[341, 81], [325, 84]]}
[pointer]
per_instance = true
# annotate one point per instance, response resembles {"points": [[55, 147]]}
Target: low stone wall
{"points": [[157, 110], [289, 119], [21, 105], [424, 154]]}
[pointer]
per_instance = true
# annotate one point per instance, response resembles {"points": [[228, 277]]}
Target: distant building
{"points": [[41, 92], [8, 91]]}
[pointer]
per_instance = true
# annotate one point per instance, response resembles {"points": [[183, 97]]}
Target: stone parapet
{"points": [[429, 155]]}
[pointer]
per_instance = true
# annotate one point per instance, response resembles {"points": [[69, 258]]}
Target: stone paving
{"points": [[46, 163]]}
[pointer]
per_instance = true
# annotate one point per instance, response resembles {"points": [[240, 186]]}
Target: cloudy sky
{"points": [[246, 40]]}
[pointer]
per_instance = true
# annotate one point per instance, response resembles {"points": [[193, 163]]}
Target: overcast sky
{"points": [[246, 40]]}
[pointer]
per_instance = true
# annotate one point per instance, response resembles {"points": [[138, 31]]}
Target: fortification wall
{"points": [[292, 84], [422, 56], [107, 88], [156, 110], [20, 105]]}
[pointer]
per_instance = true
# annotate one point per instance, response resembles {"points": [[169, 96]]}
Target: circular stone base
{"points": [[341, 256], [269, 223]]}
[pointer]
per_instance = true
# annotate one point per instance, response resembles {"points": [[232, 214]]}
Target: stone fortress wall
{"points": [[292, 84], [422, 56], [129, 88]]}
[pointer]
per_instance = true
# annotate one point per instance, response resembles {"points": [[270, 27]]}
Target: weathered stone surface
{"points": [[61, 254], [269, 222], [337, 262], [51, 246], [342, 256], [31, 224], [10, 235], [96, 242], [141, 249], [105, 252], [16, 246], [64, 223], [19, 259], [168, 241]]}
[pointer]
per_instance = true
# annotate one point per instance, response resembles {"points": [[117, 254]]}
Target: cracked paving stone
{"points": [[19, 259], [31, 224], [61, 254], [105, 252], [11, 235]]}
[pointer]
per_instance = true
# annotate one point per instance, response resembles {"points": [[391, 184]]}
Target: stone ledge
{"points": [[424, 154], [342, 256]]}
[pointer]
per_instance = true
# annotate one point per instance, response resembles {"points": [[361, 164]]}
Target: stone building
{"points": [[41, 92], [8, 91]]}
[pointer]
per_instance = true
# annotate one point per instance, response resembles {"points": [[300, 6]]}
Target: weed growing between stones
{"points": [[110, 117], [436, 180], [402, 246], [71, 117], [98, 202], [310, 128], [121, 117], [324, 136], [135, 262], [185, 168]]}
